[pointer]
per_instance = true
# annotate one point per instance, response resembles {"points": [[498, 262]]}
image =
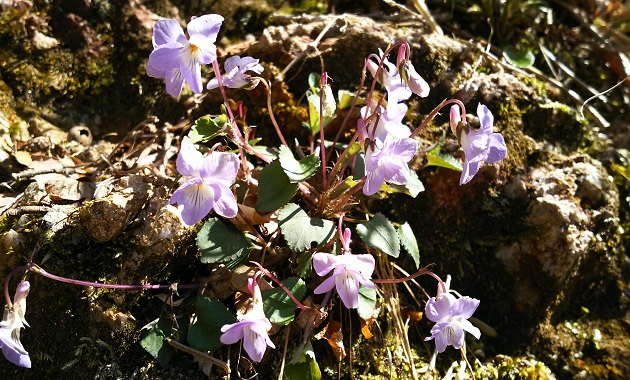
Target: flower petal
{"points": [[326, 285], [496, 148], [467, 326], [190, 68], [469, 171], [485, 118], [323, 263], [232, 333], [374, 181], [220, 167], [196, 200], [464, 307], [189, 160], [437, 310], [167, 31], [362, 263], [206, 25], [174, 82], [165, 57], [348, 288], [224, 202]]}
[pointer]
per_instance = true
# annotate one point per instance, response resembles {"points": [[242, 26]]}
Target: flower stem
{"points": [[280, 284], [437, 109], [271, 115], [7, 296], [35, 268]]}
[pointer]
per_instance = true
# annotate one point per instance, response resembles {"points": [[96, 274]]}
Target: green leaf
{"points": [[379, 233], [205, 333], [303, 366], [300, 230], [206, 128], [278, 306], [437, 158], [313, 81], [274, 188], [154, 342], [298, 170], [221, 244], [367, 302], [519, 58], [304, 264], [345, 98], [412, 188], [409, 242]]}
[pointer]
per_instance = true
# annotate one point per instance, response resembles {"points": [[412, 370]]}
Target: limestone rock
{"points": [[108, 216]]}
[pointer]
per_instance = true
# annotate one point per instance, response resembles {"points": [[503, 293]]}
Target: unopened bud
{"points": [[455, 119]]}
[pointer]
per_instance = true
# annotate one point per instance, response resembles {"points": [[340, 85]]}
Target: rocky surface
{"points": [[539, 238]]}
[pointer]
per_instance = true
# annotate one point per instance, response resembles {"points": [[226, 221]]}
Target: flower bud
{"points": [[455, 119]]}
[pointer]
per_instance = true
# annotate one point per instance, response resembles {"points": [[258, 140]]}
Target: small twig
{"points": [[312, 46], [284, 353], [602, 93], [28, 210], [200, 354], [11, 203], [421, 6]]}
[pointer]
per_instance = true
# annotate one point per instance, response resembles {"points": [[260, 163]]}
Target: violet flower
{"points": [[388, 163], [253, 327], [388, 122], [414, 81], [209, 185], [236, 76], [480, 145], [177, 58], [10, 326], [390, 78], [349, 272], [451, 315]]}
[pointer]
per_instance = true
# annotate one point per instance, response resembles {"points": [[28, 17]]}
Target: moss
{"points": [[556, 123]]}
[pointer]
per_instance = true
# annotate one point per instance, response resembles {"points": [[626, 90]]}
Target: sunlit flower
{"points": [[209, 184], [387, 122], [451, 315], [414, 81], [236, 76], [388, 163], [11, 325], [252, 327], [389, 77], [177, 58], [349, 272], [480, 145]]}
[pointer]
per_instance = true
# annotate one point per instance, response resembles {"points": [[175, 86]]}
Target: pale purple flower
{"points": [[208, 186], [349, 272], [480, 145], [451, 316], [390, 78], [11, 325], [177, 58], [236, 76], [252, 327], [388, 122], [414, 81], [388, 163]]}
